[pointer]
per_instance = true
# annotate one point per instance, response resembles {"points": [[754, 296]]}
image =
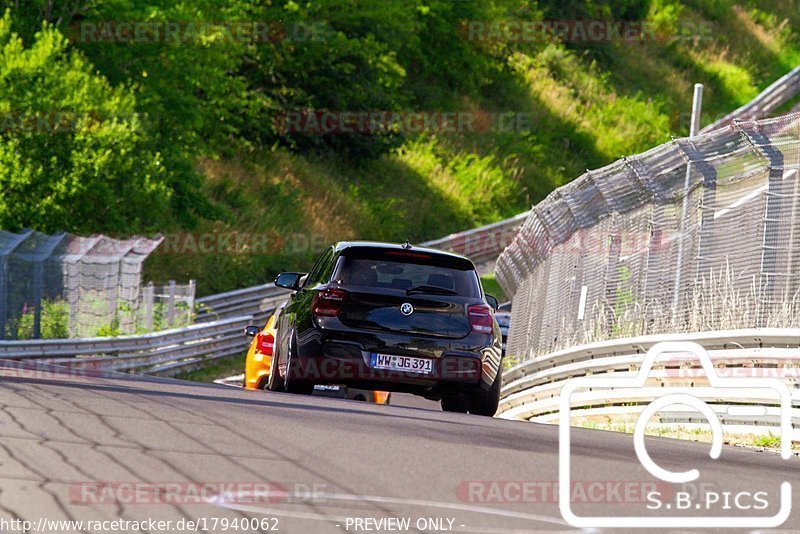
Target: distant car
{"points": [[259, 360], [504, 320], [391, 317], [259, 355]]}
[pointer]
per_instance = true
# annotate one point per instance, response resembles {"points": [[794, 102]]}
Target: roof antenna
{"points": [[406, 245]]}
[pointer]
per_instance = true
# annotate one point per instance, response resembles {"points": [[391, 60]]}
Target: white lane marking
{"points": [[221, 501], [235, 380]]}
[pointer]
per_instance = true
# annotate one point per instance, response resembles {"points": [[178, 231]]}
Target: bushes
{"points": [[153, 116], [72, 155], [54, 322]]}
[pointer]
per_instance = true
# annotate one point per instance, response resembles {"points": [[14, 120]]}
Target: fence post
{"points": [[38, 286], [148, 300], [171, 304], [3, 295], [776, 197], [697, 104], [190, 300]]}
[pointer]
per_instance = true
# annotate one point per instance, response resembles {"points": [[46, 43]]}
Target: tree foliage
{"points": [[72, 150], [148, 107]]}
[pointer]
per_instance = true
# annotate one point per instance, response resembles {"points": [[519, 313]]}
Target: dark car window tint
{"points": [[315, 276], [401, 275], [327, 269]]}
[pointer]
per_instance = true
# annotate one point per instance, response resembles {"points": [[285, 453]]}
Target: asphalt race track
{"points": [[110, 447]]}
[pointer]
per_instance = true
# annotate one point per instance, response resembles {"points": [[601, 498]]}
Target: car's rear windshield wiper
{"points": [[436, 290]]}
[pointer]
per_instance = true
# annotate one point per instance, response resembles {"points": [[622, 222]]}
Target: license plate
{"points": [[323, 387], [409, 364]]}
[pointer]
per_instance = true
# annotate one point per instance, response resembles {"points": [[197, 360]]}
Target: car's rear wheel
{"points": [[457, 404], [483, 402], [274, 382], [293, 384]]}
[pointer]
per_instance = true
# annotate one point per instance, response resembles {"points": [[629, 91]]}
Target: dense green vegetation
{"points": [[140, 116]]}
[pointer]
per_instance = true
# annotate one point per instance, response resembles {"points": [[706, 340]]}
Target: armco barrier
{"points": [[484, 244], [257, 301], [219, 324], [165, 353], [531, 390]]}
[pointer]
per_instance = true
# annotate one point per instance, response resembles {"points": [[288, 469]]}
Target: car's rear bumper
{"points": [[347, 361]]}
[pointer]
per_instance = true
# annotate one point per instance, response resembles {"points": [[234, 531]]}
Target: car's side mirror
{"points": [[289, 280], [492, 302], [251, 331]]}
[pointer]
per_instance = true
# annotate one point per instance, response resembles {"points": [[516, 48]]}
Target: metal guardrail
{"points": [[483, 244], [257, 301], [217, 332], [163, 353], [531, 390], [770, 99]]}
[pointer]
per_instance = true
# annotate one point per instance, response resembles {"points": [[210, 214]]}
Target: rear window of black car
{"points": [[403, 271]]}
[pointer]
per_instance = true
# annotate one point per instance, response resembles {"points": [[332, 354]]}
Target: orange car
{"points": [[259, 359]]}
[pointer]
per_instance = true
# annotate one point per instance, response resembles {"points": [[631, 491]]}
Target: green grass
{"points": [[222, 368], [626, 425], [491, 287], [585, 106], [770, 441]]}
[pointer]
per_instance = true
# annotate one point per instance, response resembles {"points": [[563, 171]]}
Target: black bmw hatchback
{"points": [[394, 318]]}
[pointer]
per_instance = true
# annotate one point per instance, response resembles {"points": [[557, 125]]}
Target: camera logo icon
{"points": [[664, 397]]}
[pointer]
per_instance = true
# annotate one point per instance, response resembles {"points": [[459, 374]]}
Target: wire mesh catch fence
{"points": [[694, 235], [60, 286]]}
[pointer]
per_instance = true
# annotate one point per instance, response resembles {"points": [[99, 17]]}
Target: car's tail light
{"points": [[480, 318], [328, 302], [265, 344]]}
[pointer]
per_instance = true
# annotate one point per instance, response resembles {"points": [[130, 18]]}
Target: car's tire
{"points": [[264, 383], [483, 402], [458, 404], [274, 382], [292, 384]]}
